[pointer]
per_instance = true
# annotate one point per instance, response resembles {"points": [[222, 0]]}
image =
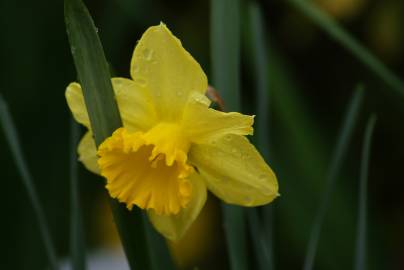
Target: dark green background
{"points": [[306, 112]]}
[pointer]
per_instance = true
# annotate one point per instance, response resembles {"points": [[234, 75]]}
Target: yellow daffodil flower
{"points": [[172, 146]]}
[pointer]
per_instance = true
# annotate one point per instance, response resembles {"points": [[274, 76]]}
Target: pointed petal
{"points": [[174, 227], [235, 171], [88, 153], [75, 101], [203, 124], [135, 106], [162, 66]]}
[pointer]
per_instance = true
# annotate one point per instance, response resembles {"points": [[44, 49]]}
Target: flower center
{"points": [[147, 169]]}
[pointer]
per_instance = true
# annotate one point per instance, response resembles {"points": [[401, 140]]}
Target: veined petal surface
{"points": [[173, 227], [162, 66], [234, 171]]}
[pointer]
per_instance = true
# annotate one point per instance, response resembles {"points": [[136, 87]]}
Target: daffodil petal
{"points": [[234, 171], [88, 153], [75, 101], [203, 124], [162, 66], [174, 227], [135, 106]]}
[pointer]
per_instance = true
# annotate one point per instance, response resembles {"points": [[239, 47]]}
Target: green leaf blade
{"points": [[344, 139], [92, 70], [225, 59], [77, 245], [28, 182], [261, 230], [361, 247]]}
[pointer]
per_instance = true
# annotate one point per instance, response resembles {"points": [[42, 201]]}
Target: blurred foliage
{"points": [[311, 80]]}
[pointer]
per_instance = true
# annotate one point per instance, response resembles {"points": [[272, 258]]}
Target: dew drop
{"points": [[262, 176], [136, 69], [96, 30], [248, 200], [179, 93], [147, 54], [140, 81], [158, 94], [228, 138]]}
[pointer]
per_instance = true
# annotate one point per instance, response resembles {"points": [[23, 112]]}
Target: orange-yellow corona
{"points": [[172, 147]]}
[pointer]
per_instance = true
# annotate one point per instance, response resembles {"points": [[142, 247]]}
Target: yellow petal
{"points": [[173, 227], [75, 101], [203, 124], [135, 106], [235, 171], [135, 176], [162, 66], [88, 153]]}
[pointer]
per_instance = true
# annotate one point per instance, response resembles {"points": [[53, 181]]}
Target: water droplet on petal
{"points": [[262, 176], [148, 54], [228, 138], [140, 81], [248, 200], [136, 69], [179, 93]]}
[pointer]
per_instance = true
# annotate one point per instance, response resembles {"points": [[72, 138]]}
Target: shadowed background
{"points": [[311, 81]]}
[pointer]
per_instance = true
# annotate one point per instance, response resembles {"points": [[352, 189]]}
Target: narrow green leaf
{"points": [[12, 139], [340, 150], [92, 70], [301, 175], [261, 247], [94, 77], [225, 51], [225, 59], [158, 251], [360, 256], [350, 43], [77, 245], [262, 239]]}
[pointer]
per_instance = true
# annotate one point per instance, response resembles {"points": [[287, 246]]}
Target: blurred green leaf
{"points": [[261, 247], [350, 43], [361, 246], [225, 59], [94, 77], [344, 139], [159, 254], [299, 155], [225, 51], [12, 139], [77, 245], [262, 239]]}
